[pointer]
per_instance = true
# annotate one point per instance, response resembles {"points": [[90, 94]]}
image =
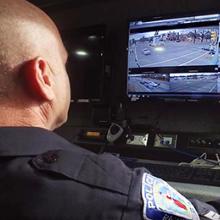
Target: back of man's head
{"points": [[34, 87]]}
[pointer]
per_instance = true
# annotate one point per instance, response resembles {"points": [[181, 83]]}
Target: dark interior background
{"points": [[166, 116]]}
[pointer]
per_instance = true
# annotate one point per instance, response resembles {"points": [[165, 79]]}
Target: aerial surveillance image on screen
{"points": [[177, 47], [195, 82], [174, 83], [149, 83], [174, 57]]}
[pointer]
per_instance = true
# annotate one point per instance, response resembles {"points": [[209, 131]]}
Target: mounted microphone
{"points": [[114, 132]]}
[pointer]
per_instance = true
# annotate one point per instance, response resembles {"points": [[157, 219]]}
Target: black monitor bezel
{"points": [[177, 97]]}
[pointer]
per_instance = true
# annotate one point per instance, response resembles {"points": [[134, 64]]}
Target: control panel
{"points": [[201, 142], [172, 146], [204, 141]]}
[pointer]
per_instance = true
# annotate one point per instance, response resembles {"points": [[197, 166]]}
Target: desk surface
{"points": [[201, 192]]}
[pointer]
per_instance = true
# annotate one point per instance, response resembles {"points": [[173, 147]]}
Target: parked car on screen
{"points": [[146, 51]]}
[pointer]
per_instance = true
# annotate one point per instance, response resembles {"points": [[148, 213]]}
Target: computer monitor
{"points": [[175, 57], [86, 62]]}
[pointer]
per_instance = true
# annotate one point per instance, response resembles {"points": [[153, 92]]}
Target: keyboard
{"points": [[175, 173]]}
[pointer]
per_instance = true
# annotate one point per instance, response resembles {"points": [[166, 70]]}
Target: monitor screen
{"points": [[174, 57], [86, 63]]}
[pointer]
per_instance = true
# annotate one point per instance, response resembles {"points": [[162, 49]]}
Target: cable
{"points": [[194, 156]]}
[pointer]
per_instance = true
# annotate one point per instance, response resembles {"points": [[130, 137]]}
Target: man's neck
{"points": [[15, 117]]}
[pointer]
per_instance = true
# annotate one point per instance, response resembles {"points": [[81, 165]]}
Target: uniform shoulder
{"points": [[103, 171]]}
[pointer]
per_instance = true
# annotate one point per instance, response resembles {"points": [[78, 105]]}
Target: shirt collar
{"points": [[27, 141]]}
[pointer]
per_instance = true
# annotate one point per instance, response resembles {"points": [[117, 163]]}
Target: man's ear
{"points": [[38, 79]]}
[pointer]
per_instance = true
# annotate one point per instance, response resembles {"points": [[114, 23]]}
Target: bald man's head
{"points": [[26, 32], [30, 42]]}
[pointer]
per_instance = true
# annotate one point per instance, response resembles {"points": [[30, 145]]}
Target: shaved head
{"points": [[26, 33]]}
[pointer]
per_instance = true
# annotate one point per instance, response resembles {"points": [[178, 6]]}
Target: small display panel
{"points": [[138, 140], [165, 140]]}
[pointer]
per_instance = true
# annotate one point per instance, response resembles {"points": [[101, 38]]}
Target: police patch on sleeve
{"points": [[162, 202]]}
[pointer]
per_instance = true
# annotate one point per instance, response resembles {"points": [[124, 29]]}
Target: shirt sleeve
{"points": [[134, 209], [153, 198]]}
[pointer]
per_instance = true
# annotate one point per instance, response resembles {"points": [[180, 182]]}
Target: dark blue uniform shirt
{"points": [[45, 177]]}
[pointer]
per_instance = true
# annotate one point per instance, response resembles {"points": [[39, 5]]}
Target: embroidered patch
{"points": [[162, 202]]}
